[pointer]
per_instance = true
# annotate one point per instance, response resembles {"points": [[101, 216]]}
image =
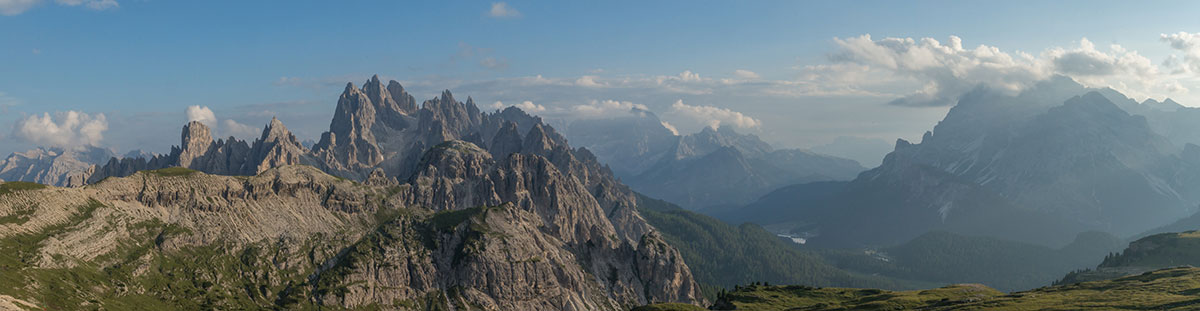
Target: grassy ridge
{"points": [[1167, 289], [1157, 251], [14, 186], [173, 171], [947, 258]]}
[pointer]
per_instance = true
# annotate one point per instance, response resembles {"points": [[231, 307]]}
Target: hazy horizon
{"points": [[796, 74]]}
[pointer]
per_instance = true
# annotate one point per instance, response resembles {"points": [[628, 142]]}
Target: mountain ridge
{"points": [[1057, 159], [475, 177]]}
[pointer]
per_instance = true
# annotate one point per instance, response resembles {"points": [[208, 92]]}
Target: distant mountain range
{"points": [[54, 166], [715, 167], [1040, 167], [436, 207]]}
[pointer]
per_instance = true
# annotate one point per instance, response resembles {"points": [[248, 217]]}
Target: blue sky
{"points": [[141, 63]]}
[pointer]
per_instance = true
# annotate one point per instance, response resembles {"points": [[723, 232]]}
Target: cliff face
{"points": [[512, 232], [458, 208], [53, 166], [470, 231]]}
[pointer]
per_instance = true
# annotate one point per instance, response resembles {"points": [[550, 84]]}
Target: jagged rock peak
{"points": [[379, 95], [506, 141], [454, 159], [275, 131], [195, 141], [395, 87], [195, 132], [350, 88], [404, 101], [373, 85], [538, 140]]}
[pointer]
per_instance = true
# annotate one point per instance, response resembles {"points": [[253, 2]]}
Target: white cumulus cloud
{"points": [[689, 76], [502, 10], [588, 81], [65, 129], [1086, 60], [1189, 44], [527, 106], [605, 108], [201, 114], [713, 116], [945, 70]]}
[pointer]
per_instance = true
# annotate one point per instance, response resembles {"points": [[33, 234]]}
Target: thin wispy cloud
{"points": [[745, 74], [16, 7], [91, 4], [494, 63], [502, 10]]}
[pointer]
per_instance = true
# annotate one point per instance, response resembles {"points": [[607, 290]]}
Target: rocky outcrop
{"points": [[469, 231], [499, 219], [350, 143], [535, 206], [277, 147], [506, 141], [197, 150], [195, 142]]}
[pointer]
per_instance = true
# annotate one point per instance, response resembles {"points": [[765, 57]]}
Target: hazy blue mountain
{"points": [[1179, 124], [715, 167], [628, 144], [1040, 167], [718, 167], [721, 254], [139, 153]]}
